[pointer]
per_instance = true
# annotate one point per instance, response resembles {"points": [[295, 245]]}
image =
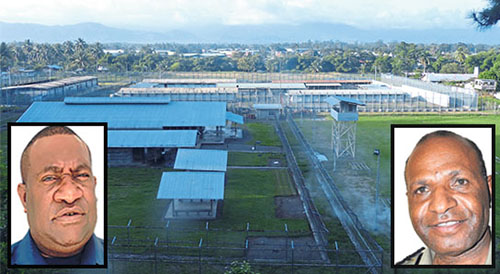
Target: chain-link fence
{"points": [[206, 250]]}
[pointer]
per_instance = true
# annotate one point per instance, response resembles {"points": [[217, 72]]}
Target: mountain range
{"points": [[250, 34]]}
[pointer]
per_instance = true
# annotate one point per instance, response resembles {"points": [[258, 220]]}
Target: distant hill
{"points": [[267, 33], [90, 32]]}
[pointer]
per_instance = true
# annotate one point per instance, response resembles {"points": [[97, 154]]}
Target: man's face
{"points": [[59, 195], [447, 195]]}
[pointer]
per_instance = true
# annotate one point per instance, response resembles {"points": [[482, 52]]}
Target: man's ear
{"points": [[489, 181], [21, 191]]}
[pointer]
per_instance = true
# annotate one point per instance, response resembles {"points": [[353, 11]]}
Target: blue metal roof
{"points": [[145, 85], [191, 185], [337, 99], [267, 106], [234, 117], [201, 159], [131, 116], [116, 100], [151, 138], [263, 85]]}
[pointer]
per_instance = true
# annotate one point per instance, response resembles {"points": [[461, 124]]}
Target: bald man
{"points": [[449, 197]]}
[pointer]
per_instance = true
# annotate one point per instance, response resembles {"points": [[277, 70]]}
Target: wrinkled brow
{"points": [[57, 169]]}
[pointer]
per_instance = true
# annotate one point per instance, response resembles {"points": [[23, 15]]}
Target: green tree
{"points": [[488, 16], [404, 59], [6, 57], [383, 64], [450, 68], [424, 58], [460, 56]]}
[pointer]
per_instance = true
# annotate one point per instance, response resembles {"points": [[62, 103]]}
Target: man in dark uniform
{"points": [[58, 195], [449, 197]]}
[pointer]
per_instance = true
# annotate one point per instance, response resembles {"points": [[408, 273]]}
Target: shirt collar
{"points": [[27, 253], [428, 255]]}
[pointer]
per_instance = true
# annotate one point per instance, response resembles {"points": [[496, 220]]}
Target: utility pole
{"points": [[377, 152]]}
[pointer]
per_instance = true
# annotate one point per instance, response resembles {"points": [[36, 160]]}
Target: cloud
{"points": [[161, 15]]}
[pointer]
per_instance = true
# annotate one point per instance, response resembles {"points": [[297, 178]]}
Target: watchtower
{"points": [[345, 117]]}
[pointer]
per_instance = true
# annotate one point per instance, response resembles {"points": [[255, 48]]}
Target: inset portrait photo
{"points": [[57, 189], [442, 195]]}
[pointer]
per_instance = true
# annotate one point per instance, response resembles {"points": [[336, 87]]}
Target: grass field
{"points": [[263, 133], [375, 132], [249, 198], [253, 159]]}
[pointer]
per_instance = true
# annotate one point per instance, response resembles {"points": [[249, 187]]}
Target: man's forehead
{"points": [[439, 144], [439, 150], [57, 145]]}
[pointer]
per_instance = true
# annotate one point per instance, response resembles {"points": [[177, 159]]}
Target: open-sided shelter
{"points": [[191, 195]]}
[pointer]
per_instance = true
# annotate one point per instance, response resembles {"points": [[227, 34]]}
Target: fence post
{"points": [[156, 245], [292, 256], [199, 255], [337, 254], [111, 251], [167, 226], [286, 243], [128, 234], [206, 229], [248, 228]]}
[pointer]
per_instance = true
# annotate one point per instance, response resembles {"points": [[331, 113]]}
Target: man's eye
{"points": [[421, 190], [83, 176], [461, 182], [48, 179]]}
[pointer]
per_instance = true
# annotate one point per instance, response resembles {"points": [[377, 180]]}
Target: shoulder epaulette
{"points": [[412, 257]]}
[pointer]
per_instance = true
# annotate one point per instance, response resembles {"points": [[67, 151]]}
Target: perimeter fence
{"points": [[177, 247]]}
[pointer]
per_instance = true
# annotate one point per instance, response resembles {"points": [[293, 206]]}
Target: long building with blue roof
{"points": [[132, 113], [141, 130]]}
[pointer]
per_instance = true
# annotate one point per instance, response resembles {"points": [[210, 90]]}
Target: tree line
{"points": [[407, 59]]}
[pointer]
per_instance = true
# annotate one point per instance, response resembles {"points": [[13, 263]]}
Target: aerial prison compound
{"points": [[182, 129]]}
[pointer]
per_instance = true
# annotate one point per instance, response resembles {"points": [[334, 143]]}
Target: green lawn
{"points": [[375, 132], [264, 133], [253, 159], [249, 198], [284, 185]]}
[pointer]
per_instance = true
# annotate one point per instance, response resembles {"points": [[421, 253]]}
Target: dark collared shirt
{"points": [[25, 252]]}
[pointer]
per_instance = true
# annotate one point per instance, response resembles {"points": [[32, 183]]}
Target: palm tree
{"points": [[424, 58], [460, 56]]}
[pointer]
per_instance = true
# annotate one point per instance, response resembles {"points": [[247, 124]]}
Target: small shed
{"points": [[191, 195], [268, 111], [201, 159]]}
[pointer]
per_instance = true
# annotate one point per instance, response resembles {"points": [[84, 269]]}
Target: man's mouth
{"points": [[448, 226], [450, 223], [69, 215]]}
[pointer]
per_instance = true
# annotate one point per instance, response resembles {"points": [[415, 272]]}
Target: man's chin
{"points": [[69, 243], [449, 246]]}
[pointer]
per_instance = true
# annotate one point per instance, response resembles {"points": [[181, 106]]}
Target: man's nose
{"points": [[69, 191], [442, 200]]}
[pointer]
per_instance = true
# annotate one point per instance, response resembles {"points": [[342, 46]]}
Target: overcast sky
{"points": [[159, 15]]}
